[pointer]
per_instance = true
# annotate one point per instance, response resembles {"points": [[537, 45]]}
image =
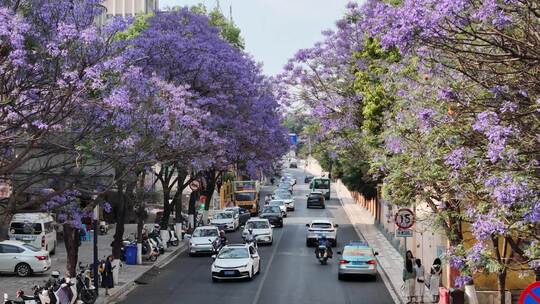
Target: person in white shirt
{"points": [[420, 281]]}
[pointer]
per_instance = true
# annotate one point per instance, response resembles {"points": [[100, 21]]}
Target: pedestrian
{"points": [[107, 275], [420, 281], [409, 277], [434, 280]]}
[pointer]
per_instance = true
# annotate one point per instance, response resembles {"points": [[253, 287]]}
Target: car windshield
{"points": [[257, 225], [283, 195], [276, 203], [321, 184], [244, 196], [233, 253], [321, 225], [355, 251], [33, 248], [231, 210], [271, 209], [205, 232], [223, 215]]}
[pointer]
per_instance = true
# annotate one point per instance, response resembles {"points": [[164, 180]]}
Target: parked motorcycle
{"points": [[86, 291], [173, 238]]}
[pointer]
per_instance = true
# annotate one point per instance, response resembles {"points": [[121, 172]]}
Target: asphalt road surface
{"points": [[290, 272]]}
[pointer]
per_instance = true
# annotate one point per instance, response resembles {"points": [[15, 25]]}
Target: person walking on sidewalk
{"points": [[420, 281], [409, 277], [107, 275], [434, 280]]}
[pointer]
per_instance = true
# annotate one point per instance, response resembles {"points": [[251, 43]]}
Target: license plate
{"points": [[228, 273], [357, 263]]}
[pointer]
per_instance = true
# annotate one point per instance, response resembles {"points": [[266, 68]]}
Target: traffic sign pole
{"points": [[404, 219]]}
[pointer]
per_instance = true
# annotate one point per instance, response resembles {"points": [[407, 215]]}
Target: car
{"points": [[242, 214], [225, 220], [357, 258], [262, 230], [293, 163], [315, 199], [287, 198], [318, 228], [238, 261], [280, 204], [285, 187], [273, 214], [290, 177], [308, 179], [23, 259], [201, 240]]}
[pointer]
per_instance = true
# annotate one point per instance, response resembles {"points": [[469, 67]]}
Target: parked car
{"points": [[308, 179], [318, 228], [202, 239], [262, 230], [315, 199], [239, 261], [23, 259], [225, 220], [35, 229], [273, 214], [242, 214], [357, 258], [281, 205]]}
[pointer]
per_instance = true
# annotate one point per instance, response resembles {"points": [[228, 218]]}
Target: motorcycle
{"points": [[217, 244], [251, 239], [173, 238], [85, 289], [322, 254], [24, 299], [103, 227]]}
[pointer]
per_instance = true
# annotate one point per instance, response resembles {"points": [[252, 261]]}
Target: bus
{"points": [[321, 184]]}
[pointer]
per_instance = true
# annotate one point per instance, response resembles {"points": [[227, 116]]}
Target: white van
{"points": [[36, 229]]}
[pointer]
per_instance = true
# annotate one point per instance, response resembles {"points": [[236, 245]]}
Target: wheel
{"points": [[374, 278], [259, 270], [340, 276], [175, 243], [88, 296], [307, 243], [323, 207], [292, 209], [23, 270], [53, 251], [215, 280], [252, 273], [153, 258], [334, 243]]}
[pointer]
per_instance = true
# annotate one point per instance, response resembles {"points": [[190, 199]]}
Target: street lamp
{"points": [[95, 221]]}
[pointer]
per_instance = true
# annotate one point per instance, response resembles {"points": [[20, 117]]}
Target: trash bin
{"points": [[443, 296], [457, 296], [130, 252]]}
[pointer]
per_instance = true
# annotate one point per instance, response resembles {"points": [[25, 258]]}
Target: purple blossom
{"points": [[394, 144], [106, 207], [457, 158], [485, 226], [425, 118], [462, 280]]}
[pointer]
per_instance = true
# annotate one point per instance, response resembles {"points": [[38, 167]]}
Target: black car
{"points": [[315, 199], [308, 179], [273, 215]]}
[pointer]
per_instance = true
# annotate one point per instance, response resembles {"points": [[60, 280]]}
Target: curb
{"points": [[129, 286], [394, 291]]}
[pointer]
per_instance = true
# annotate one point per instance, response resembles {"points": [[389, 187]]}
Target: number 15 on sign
{"points": [[404, 218]]}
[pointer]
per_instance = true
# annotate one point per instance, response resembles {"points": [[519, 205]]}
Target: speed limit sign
{"points": [[195, 185], [404, 218]]}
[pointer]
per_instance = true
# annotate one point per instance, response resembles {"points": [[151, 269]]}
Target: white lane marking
{"points": [[266, 271]]}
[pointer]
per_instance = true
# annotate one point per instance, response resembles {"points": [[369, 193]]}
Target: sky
{"points": [[275, 29]]}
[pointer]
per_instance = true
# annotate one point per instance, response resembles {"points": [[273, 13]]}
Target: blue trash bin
{"points": [[130, 252]]}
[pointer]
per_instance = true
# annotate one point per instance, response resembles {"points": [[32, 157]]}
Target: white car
{"points": [[201, 240], [241, 261], [261, 228], [290, 177], [287, 198], [318, 228], [225, 221], [281, 205], [23, 259]]}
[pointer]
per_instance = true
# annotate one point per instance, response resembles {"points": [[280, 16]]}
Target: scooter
{"points": [[24, 299], [217, 244], [173, 238], [322, 254], [103, 227], [85, 289]]}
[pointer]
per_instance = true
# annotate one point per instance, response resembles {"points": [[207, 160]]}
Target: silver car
{"points": [[23, 259], [318, 228], [357, 258]]}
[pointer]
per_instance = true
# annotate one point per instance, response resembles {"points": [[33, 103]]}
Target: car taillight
{"points": [[344, 262], [372, 262], [43, 242], [41, 257]]}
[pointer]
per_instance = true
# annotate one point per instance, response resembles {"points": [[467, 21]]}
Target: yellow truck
{"points": [[246, 195]]}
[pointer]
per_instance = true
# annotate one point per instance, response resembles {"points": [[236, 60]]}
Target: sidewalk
{"points": [[10, 283], [389, 259]]}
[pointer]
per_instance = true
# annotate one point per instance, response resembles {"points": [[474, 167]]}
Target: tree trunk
{"points": [[501, 280], [72, 241], [120, 216], [191, 210], [210, 187], [167, 209]]}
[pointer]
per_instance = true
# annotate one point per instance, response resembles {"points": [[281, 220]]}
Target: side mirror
{"points": [[339, 252], [214, 256], [307, 195], [336, 225], [242, 227], [376, 253], [187, 236], [307, 225]]}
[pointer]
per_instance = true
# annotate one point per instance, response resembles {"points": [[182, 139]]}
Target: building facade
{"points": [[127, 8]]}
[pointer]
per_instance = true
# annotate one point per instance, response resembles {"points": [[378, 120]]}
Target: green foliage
{"points": [[140, 23], [229, 31]]}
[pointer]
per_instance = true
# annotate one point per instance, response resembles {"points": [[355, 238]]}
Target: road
{"points": [[290, 272]]}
